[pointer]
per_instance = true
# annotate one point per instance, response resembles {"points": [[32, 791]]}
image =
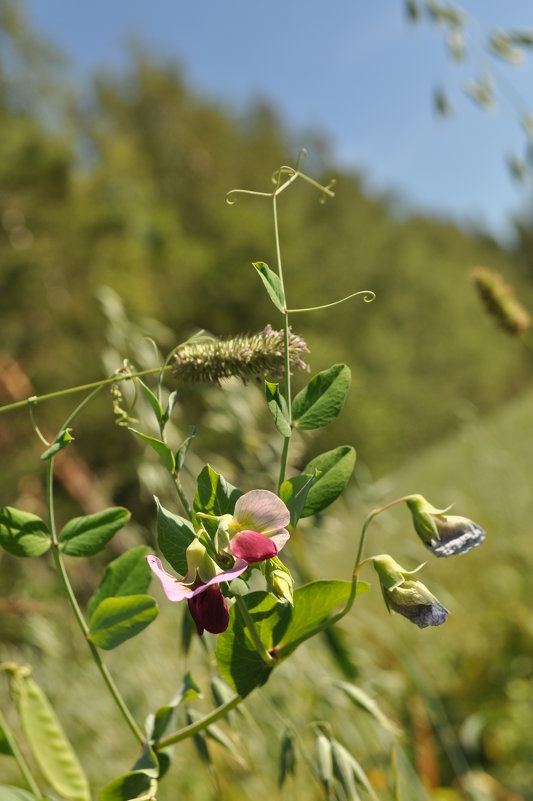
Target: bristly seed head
{"points": [[243, 356], [500, 301]]}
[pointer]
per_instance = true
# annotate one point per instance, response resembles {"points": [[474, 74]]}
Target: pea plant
{"points": [[220, 550]]}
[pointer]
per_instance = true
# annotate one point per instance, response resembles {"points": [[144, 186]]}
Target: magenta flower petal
{"points": [[226, 575], [174, 588], [253, 546], [262, 511], [209, 611]]}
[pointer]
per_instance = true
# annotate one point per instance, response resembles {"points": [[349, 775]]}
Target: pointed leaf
{"points": [[343, 770], [189, 691], [129, 574], [293, 492], [61, 441], [287, 757], [5, 748], [160, 447], [47, 740], [214, 496], [147, 763], [153, 401], [85, 536], [334, 471], [132, 786], [322, 399], [182, 451], [362, 700], [22, 533], [277, 406], [272, 284], [116, 620], [174, 535]]}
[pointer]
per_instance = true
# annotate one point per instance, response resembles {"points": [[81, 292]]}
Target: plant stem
{"points": [[35, 399], [128, 717], [199, 725], [267, 658], [19, 758]]}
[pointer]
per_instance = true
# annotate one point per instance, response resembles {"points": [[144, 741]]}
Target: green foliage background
{"points": [[124, 187]]}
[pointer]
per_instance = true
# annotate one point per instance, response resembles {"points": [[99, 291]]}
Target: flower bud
{"points": [[405, 595], [279, 580], [444, 535]]}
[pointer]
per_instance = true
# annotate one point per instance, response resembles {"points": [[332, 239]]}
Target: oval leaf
{"points": [[116, 620], [48, 742], [174, 535], [278, 408], [334, 470], [322, 399], [23, 534], [85, 536], [272, 284], [130, 574]]}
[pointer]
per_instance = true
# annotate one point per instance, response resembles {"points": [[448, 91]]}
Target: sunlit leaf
{"points": [[129, 574], [85, 536], [322, 399], [277, 406], [22, 533], [63, 439], [272, 284], [116, 620], [160, 447], [334, 469], [174, 535]]}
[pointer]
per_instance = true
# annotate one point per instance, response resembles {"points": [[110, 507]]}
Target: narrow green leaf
{"points": [[153, 401], [47, 740], [5, 748], [61, 441], [183, 449], [293, 492], [158, 723], [322, 399], [85, 536], [160, 447], [129, 574], [334, 470], [214, 496], [174, 535], [22, 533], [362, 700], [277, 406], [132, 786], [287, 757], [116, 620], [272, 284], [215, 733]]}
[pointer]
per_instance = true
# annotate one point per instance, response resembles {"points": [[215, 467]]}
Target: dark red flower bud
{"points": [[209, 610]]}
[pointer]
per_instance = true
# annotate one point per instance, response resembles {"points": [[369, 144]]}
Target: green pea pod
{"points": [[47, 740]]}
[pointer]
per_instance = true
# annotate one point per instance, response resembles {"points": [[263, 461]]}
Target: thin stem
{"points": [[35, 399], [128, 717], [19, 758], [199, 725], [181, 494], [369, 296], [267, 658]]}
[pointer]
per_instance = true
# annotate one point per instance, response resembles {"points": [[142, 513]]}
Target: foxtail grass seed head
{"points": [[244, 356], [500, 301]]}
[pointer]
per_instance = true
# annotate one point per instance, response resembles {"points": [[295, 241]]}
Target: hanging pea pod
{"points": [[47, 740]]}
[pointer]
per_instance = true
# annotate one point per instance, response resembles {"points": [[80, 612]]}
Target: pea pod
{"points": [[47, 740]]}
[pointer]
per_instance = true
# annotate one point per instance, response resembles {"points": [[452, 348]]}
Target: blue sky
{"points": [[354, 71]]}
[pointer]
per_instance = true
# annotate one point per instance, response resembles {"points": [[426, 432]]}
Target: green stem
{"points": [[19, 758], [35, 399], [128, 717], [183, 498], [249, 623], [199, 725]]}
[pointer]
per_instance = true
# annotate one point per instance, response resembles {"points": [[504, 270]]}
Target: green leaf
{"points": [[129, 574], [313, 603], [272, 284], [147, 763], [362, 700], [174, 535], [22, 533], [158, 723], [116, 620], [5, 748], [334, 469], [60, 442], [85, 536], [153, 401], [160, 447], [8, 793], [278, 408], [214, 496], [183, 449], [293, 492], [238, 661], [133, 786], [322, 399], [47, 740]]}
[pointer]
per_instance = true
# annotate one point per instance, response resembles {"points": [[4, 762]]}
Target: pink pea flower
{"points": [[255, 532]]}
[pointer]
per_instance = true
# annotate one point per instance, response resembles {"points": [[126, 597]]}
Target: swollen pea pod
{"points": [[47, 740]]}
